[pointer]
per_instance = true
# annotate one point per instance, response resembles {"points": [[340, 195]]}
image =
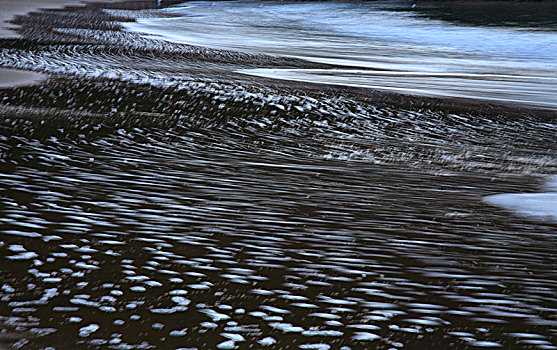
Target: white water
{"points": [[375, 47], [541, 206]]}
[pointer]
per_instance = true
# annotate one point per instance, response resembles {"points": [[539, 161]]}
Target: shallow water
{"points": [[144, 205], [381, 45], [541, 206], [131, 233]]}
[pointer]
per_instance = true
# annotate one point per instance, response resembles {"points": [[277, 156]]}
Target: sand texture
{"points": [[9, 10]]}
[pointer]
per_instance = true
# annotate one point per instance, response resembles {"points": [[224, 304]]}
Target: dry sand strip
{"points": [[15, 78], [11, 8], [8, 10]]}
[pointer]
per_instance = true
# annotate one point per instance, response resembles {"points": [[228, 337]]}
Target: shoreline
{"points": [[9, 10], [211, 65], [153, 198], [361, 62], [10, 78]]}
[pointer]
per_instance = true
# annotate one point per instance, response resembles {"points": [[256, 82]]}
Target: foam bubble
{"points": [[541, 206]]}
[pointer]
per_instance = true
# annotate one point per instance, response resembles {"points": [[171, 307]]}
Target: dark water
{"points": [[164, 209], [539, 15], [190, 231]]}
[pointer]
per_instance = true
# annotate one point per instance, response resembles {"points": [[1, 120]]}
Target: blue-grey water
{"points": [[151, 200], [376, 45]]}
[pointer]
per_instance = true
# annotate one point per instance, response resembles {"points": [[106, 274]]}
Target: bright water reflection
{"points": [[389, 49]]}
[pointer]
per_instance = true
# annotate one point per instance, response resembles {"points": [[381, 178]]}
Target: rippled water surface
{"points": [[385, 45], [117, 234], [147, 204]]}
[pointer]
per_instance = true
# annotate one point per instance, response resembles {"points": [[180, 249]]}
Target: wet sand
{"points": [[11, 8], [8, 11], [152, 199]]}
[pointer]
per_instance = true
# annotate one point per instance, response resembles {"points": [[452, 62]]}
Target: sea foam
{"points": [[540, 206]]}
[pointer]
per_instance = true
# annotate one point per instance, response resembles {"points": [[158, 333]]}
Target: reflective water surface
{"points": [[145, 203], [385, 45], [231, 232]]}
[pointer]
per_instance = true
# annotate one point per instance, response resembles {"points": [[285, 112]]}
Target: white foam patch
{"points": [[541, 206], [267, 341], [229, 344], [87, 330]]}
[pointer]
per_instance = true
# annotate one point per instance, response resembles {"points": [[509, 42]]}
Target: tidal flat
{"points": [[154, 197]]}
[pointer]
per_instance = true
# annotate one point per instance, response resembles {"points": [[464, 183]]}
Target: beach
{"points": [[11, 8], [8, 11], [155, 196]]}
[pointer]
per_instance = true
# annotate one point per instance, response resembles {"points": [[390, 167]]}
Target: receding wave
{"points": [[153, 198], [399, 50]]}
